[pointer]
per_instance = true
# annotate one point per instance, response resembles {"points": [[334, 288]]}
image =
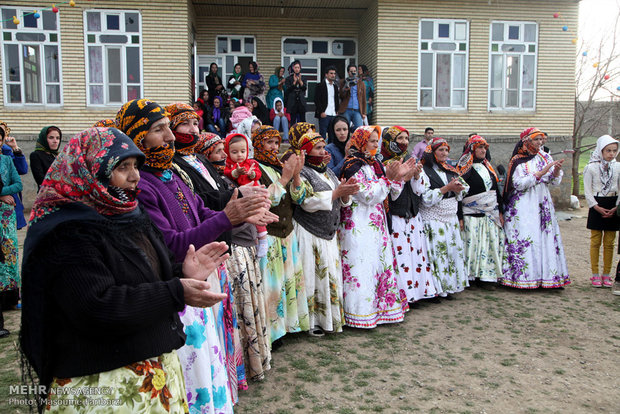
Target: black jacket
{"points": [[294, 95], [40, 162], [320, 98], [96, 302]]}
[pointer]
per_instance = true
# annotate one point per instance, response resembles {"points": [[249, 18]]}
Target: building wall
{"points": [[166, 64], [397, 56], [269, 33]]}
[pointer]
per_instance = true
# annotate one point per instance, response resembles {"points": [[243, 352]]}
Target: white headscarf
{"points": [[274, 106], [606, 168], [245, 128]]}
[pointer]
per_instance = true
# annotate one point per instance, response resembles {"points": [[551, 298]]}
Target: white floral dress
{"points": [[443, 236], [371, 294], [533, 255]]}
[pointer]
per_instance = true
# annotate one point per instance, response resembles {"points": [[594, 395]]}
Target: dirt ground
{"points": [[487, 351]]}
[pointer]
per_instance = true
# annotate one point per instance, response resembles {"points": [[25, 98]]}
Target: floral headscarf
{"points": [[390, 149], [430, 157], [207, 142], [259, 137], [81, 174], [135, 118], [43, 145], [468, 158], [306, 143], [606, 168], [524, 151], [357, 157]]}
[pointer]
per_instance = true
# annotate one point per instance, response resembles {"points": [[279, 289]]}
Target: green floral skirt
{"points": [[154, 385]]}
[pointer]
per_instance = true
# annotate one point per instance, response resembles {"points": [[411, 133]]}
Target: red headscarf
{"points": [[358, 158], [430, 157], [467, 159]]}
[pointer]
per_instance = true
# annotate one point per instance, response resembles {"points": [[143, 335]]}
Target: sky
{"points": [[596, 21]]}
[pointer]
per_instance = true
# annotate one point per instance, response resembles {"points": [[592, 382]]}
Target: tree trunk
{"points": [[575, 169]]}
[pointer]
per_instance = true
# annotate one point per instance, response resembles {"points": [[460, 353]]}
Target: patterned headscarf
{"points": [[468, 158], [306, 143], [7, 130], [357, 157], [430, 157], [524, 151], [179, 113], [390, 149], [207, 142], [81, 174], [105, 123], [43, 145], [259, 137], [296, 131], [135, 118]]}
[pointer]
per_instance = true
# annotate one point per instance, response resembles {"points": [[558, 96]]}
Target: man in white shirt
{"points": [[326, 100]]}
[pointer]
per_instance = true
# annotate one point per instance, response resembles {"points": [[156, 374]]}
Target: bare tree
{"points": [[594, 83]]}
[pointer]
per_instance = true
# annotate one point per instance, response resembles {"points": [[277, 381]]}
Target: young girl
{"points": [[600, 184], [243, 170], [280, 118]]}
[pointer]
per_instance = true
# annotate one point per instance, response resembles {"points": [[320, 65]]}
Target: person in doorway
{"points": [[295, 93], [326, 100]]}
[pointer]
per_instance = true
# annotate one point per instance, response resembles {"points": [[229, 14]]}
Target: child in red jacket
{"points": [[244, 170]]}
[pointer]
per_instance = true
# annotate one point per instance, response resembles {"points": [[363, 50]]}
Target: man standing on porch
{"points": [[353, 97], [326, 100]]}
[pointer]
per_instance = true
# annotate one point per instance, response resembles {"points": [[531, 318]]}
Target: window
{"points": [[113, 48], [512, 67], [31, 57], [444, 53], [230, 51]]}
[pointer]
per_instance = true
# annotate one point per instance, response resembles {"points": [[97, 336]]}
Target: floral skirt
{"points": [[9, 270], [247, 286], [154, 385], [285, 291], [484, 247]]}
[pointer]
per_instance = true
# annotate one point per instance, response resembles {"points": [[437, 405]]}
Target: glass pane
{"points": [[513, 32], [532, 48], [95, 64], [463, 46], [30, 37], [426, 70], [460, 31], [12, 62], [512, 72], [114, 65], [49, 20], [7, 36], [426, 98], [133, 64], [459, 99], [296, 46], [122, 39], [497, 32], [347, 47], [29, 20], [496, 71], [114, 94], [496, 99], [93, 21], [230, 66], [222, 45], [235, 45], [248, 45], [53, 94], [92, 38], [308, 64], [96, 94], [529, 72], [512, 99], [133, 92], [113, 22], [53, 37], [135, 39], [513, 48], [442, 85], [528, 99], [7, 19], [132, 22], [424, 45], [529, 33], [444, 29], [32, 73], [459, 71], [15, 94], [51, 64], [320, 47], [495, 47], [427, 30], [443, 46]]}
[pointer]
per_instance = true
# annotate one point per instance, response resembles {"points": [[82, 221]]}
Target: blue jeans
{"points": [[323, 124], [280, 123], [221, 125], [353, 115]]}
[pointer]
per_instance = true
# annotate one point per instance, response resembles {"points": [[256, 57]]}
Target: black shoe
{"points": [[276, 344], [4, 332]]}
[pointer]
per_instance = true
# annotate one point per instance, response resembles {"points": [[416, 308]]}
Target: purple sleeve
{"points": [[177, 230]]}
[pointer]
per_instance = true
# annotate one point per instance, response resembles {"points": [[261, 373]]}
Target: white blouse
{"points": [[592, 184]]}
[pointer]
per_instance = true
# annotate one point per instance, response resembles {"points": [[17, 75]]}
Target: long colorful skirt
{"points": [[484, 247], [9, 270], [247, 286]]}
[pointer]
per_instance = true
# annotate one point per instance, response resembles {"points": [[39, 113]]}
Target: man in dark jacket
{"points": [[326, 100], [295, 93]]}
